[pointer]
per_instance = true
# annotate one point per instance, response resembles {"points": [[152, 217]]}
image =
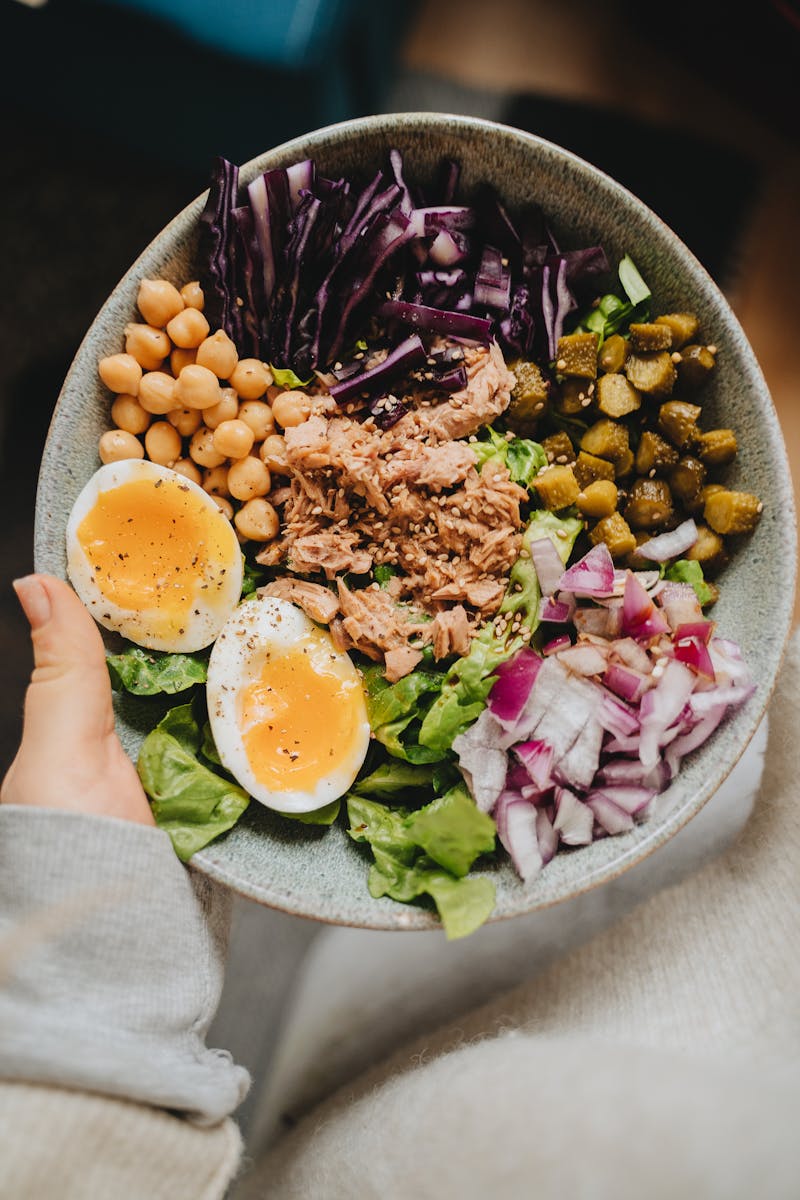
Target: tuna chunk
{"points": [[318, 602], [451, 632]]}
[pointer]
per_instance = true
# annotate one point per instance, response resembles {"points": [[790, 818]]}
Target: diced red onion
{"points": [[630, 798], [556, 644], [618, 718], [515, 678], [704, 702], [516, 827], [556, 611], [592, 575], [537, 759], [626, 683], [672, 544], [632, 655], [610, 816], [694, 653], [573, 820], [702, 630], [546, 836], [640, 617], [584, 659], [604, 622], [547, 564], [660, 707]]}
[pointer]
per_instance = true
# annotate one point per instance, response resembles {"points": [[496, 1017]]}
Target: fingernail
{"points": [[34, 600]]}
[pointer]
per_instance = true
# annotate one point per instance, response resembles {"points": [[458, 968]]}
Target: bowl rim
{"points": [[407, 917]]}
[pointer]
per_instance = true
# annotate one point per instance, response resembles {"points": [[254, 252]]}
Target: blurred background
{"points": [[113, 110]]}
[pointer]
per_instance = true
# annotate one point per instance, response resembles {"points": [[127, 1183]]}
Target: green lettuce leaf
{"points": [[405, 872], [150, 672], [686, 570], [463, 694], [192, 803], [395, 711], [395, 778], [286, 378], [320, 816], [523, 457], [253, 576], [612, 313]]}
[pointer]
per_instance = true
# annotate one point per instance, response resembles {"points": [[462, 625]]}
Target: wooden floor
{"points": [[572, 51]]}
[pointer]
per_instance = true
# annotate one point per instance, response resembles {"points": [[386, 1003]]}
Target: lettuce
{"points": [[463, 694], [612, 313], [190, 801], [523, 458], [396, 710], [394, 778], [286, 378], [429, 852], [150, 672]]}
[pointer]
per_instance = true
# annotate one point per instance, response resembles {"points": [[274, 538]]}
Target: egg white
{"points": [[212, 604], [259, 627]]}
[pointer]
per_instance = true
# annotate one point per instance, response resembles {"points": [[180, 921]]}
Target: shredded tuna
{"points": [[410, 498], [316, 601]]}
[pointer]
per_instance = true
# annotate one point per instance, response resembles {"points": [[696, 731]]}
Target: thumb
{"points": [[69, 689]]}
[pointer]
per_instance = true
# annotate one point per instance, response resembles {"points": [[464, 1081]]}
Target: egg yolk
{"points": [[296, 719], [152, 545]]}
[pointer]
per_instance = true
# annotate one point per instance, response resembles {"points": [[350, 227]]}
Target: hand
{"points": [[70, 756]]}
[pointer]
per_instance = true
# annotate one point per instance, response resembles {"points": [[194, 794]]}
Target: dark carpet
{"points": [[82, 199]]}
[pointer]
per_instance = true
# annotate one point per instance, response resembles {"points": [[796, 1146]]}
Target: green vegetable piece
{"points": [[688, 571], [320, 816], [382, 573], [394, 779], [453, 831], [395, 711], [192, 803], [522, 457], [286, 378], [253, 576], [635, 287], [151, 672]]}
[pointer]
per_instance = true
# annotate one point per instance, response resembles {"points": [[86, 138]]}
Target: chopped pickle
{"points": [[683, 326], [612, 354], [556, 487], [654, 454], [717, 447], [696, 364], [653, 374], [588, 468], [598, 499], [649, 336], [606, 439], [649, 504], [732, 512], [529, 396], [624, 464], [616, 396], [708, 550], [617, 534], [677, 420], [558, 448], [576, 354], [686, 481], [573, 396]]}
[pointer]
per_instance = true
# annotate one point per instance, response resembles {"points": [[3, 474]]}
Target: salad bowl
{"points": [[320, 872]]}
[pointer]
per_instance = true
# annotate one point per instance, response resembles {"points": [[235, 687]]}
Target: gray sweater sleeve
{"points": [[111, 964]]}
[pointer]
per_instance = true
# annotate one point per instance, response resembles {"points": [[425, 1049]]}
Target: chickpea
{"points": [[121, 373], [201, 449], [180, 359], [158, 301], [186, 420], [196, 387], [273, 454], [250, 378], [257, 520], [234, 439], [258, 416], [128, 414], [163, 444], [599, 499], [192, 295], [117, 444], [291, 408], [215, 481], [223, 504], [226, 410], [148, 345], [189, 470], [188, 329], [157, 392], [247, 478], [219, 354]]}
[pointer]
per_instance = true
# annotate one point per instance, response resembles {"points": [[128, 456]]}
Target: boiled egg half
{"points": [[286, 707], [151, 556]]}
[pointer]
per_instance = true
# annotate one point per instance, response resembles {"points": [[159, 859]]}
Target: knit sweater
{"points": [[660, 1058]]}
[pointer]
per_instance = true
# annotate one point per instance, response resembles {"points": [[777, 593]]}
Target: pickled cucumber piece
{"points": [[686, 481], [558, 448], [653, 374], [576, 354], [624, 465], [677, 420], [649, 336], [557, 487], [616, 396], [588, 468], [733, 512], [717, 447], [613, 353], [598, 499], [683, 326], [649, 504], [573, 396], [654, 454], [709, 550], [529, 396], [695, 365], [606, 439], [616, 533]]}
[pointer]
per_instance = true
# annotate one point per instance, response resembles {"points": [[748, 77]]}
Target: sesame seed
{"points": [[676, 356], [712, 349], [561, 365]]}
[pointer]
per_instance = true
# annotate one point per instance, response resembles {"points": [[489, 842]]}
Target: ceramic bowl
{"points": [[322, 874]]}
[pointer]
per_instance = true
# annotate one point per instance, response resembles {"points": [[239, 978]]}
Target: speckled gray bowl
{"points": [[323, 874]]}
